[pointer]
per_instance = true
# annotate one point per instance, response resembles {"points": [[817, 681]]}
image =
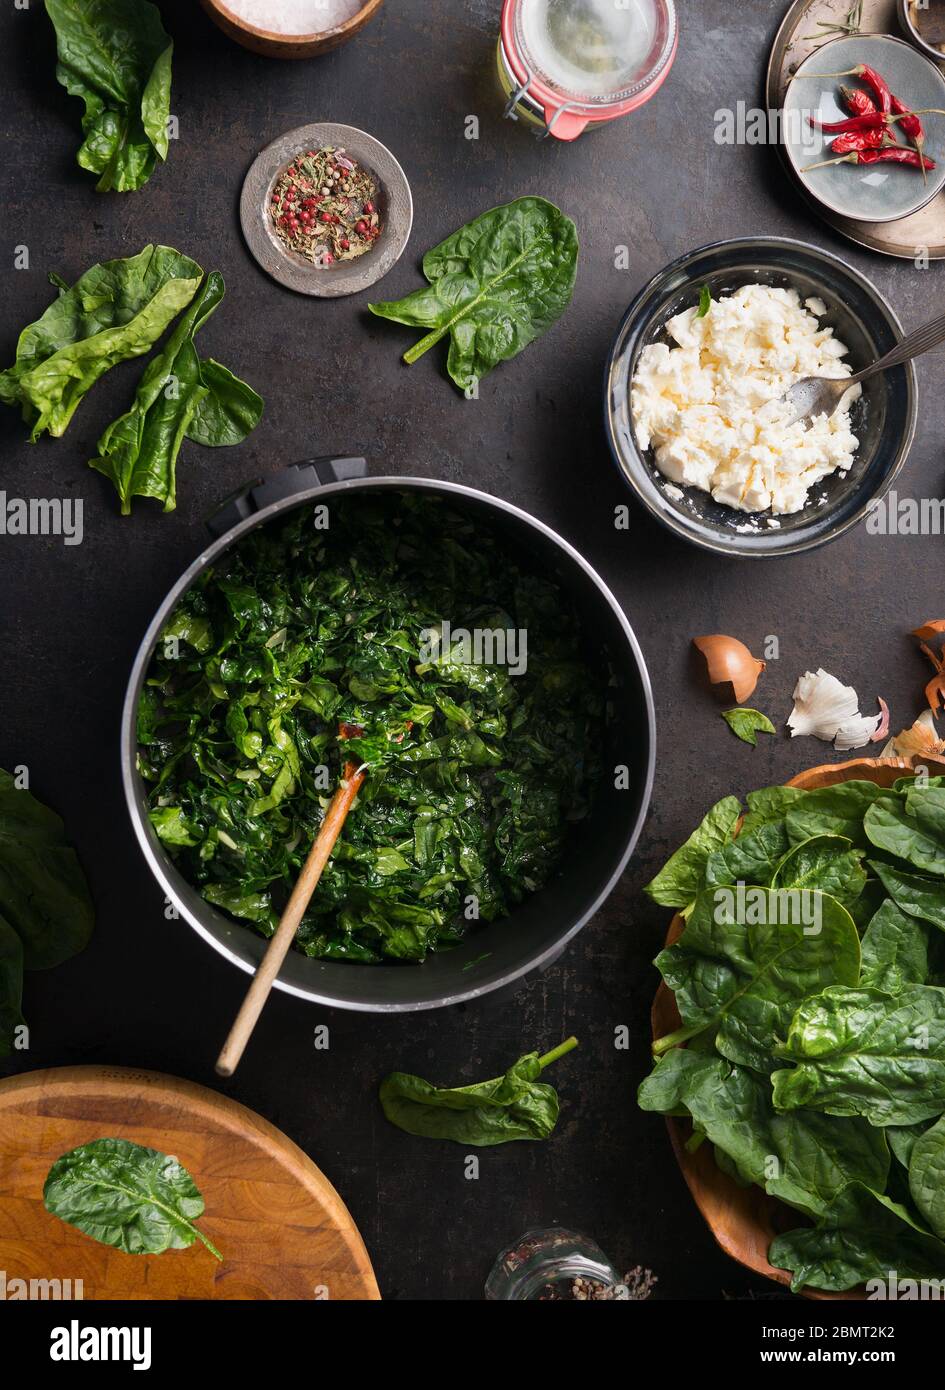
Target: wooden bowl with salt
{"points": [[745, 1220], [249, 23]]}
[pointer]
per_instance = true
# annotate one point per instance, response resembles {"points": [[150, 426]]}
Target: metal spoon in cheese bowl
{"points": [[820, 395]]}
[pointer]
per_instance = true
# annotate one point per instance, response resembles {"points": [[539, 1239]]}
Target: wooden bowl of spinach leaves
{"points": [[802, 1070]]}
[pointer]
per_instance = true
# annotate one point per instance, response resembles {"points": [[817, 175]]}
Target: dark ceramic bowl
{"points": [[883, 419]]}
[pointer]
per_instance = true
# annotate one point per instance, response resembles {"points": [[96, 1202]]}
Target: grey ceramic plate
{"points": [[395, 206], [876, 193]]}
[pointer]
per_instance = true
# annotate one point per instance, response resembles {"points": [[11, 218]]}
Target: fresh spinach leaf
{"points": [[43, 893], [837, 810], [513, 1106], [11, 986], [864, 1052], [679, 881], [746, 724], [495, 286], [827, 863], [895, 951], [769, 804], [912, 893], [927, 1176], [745, 978], [116, 310], [751, 857], [890, 827], [121, 1194], [803, 1158], [901, 1140], [116, 57], [138, 451], [863, 1235]]}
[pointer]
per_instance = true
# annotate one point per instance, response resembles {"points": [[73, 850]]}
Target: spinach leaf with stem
{"points": [[178, 396], [744, 979], [116, 57], [116, 310], [752, 857], [769, 804], [865, 1052], [495, 286], [513, 1106], [136, 1199]]}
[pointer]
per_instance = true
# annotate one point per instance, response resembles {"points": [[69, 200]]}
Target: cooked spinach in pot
{"points": [[401, 633]]}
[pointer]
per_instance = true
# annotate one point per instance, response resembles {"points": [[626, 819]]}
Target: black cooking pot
{"points": [[500, 953]]}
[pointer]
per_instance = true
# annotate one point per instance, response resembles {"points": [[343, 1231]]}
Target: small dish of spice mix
{"points": [[324, 206]]}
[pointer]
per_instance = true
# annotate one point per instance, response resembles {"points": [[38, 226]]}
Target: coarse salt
{"points": [[294, 16]]}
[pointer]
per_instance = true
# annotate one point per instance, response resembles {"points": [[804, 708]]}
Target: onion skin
{"points": [[730, 664]]}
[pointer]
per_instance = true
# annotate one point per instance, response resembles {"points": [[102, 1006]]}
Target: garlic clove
{"points": [[821, 705]]}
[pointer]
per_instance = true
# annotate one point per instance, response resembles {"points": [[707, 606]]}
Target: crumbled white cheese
{"points": [[710, 406]]}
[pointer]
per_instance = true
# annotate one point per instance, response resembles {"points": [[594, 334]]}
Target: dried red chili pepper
{"points": [[893, 154], [872, 120], [858, 102], [878, 85], [862, 140], [912, 127]]}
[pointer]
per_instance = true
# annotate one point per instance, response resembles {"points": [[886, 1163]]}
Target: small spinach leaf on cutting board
{"points": [[927, 1176], [176, 396], [864, 1052], [122, 1194], [827, 863], [495, 286], [116, 310], [514, 1106], [744, 978], [747, 724], [803, 1158], [116, 56], [862, 1235], [680, 880]]}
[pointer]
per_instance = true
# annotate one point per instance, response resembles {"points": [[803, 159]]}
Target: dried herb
{"points": [[324, 206]]}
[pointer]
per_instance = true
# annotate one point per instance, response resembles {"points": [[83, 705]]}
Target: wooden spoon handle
{"points": [[284, 935]]}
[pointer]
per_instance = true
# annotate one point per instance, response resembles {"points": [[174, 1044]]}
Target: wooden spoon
{"points": [[284, 935]]}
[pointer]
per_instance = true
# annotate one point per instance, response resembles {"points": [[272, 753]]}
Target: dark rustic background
{"points": [[148, 992]]}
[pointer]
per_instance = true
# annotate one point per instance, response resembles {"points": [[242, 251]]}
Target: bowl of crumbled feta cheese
{"points": [[694, 388]]}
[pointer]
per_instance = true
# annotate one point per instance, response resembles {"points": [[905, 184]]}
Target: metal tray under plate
{"points": [[923, 231]]}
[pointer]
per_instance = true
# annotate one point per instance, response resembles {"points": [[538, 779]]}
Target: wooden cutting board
{"points": [[282, 1228]]}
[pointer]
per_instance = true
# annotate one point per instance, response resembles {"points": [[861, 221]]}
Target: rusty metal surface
{"points": [[147, 992]]}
